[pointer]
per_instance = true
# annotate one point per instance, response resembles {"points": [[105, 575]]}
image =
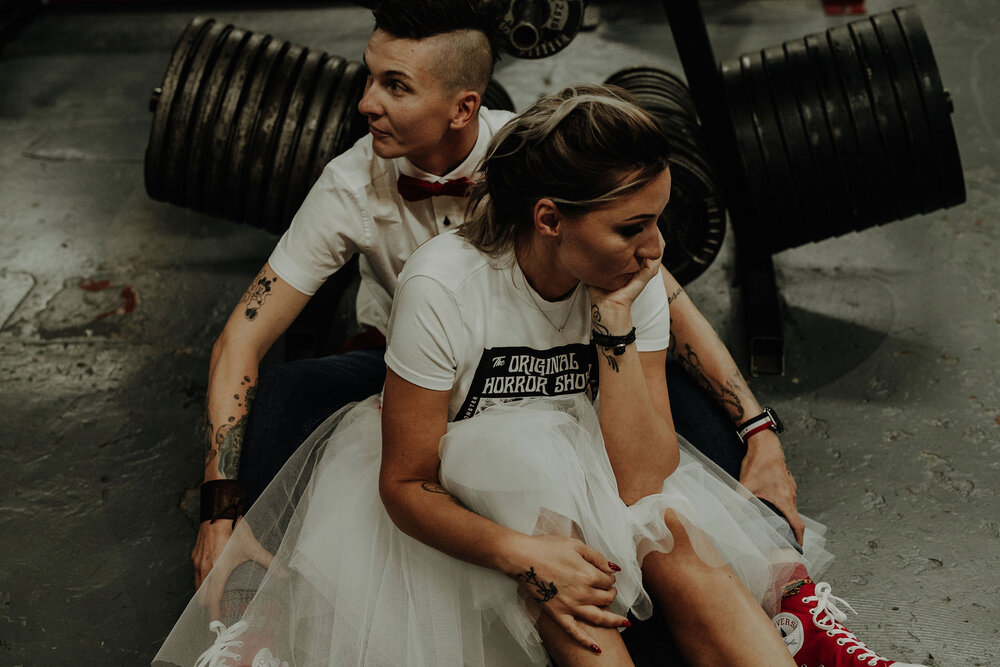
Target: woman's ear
{"points": [[547, 218]]}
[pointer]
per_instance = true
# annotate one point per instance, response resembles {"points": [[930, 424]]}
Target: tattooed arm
{"points": [[568, 579], [634, 408], [263, 313], [703, 355]]}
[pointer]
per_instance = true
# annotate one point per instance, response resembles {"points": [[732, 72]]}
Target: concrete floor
{"points": [[891, 392]]}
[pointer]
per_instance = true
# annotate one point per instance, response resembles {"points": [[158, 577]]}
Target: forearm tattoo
{"points": [[677, 293], [725, 393], [543, 592], [598, 326], [210, 450], [434, 487], [255, 295], [228, 439]]}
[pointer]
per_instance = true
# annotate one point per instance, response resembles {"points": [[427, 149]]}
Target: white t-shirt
{"points": [[354, 207], [472, 325]]}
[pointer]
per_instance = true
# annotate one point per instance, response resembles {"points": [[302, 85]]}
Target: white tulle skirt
{"points": [[318, 574]]}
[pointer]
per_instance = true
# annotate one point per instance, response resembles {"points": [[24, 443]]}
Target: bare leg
{"points": [[710, 613], [566, 652]]}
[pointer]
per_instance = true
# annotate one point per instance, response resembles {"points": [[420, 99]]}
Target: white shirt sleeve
{"points": [[651, 316], [323, 235], [425, 330]]}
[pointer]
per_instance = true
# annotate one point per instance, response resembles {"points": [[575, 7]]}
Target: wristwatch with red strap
{"points": [[765, 420]]}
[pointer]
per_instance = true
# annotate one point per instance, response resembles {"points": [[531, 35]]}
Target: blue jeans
{"points": [[292, 400]]}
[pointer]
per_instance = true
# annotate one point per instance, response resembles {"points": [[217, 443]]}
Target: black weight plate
{"points": [[173, 80], [496, 97], [342, 107], [645, 75], [260, 159], [561, 24], [680, 93], [238, 86], [665, 101], [756, 217], [301, 177], [246, 129], [830, 179], [326, 146], [902, 165], [200, 142], [937, 106], [815, 224], [668, 94], [293, 121], [874, 160], [627, 73], [664, 90], [693, 226], [677, 120], [821, 76], [911, 108], [789, 212], [355, 123], [681, 134], [176, 144], [663, 106]]}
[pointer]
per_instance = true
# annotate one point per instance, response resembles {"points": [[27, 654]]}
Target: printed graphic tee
{"points": [[467, 323]]}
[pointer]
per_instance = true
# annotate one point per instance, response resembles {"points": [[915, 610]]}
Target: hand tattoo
{"points": [[543, 593], [596, 325], [256, 293]]}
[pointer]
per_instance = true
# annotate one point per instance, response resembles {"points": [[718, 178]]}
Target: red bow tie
{"points": [[414, 189]]}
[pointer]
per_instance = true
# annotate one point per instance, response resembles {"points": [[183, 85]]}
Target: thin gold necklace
{"points": [[569, 313]]}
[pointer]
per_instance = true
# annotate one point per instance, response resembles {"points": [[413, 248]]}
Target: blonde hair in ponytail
{"points": [[583, 147]]}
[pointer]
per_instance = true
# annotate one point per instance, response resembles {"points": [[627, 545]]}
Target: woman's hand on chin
{"points": [[569, 582], [626, 294]]}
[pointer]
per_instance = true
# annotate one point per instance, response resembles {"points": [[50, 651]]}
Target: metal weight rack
{"points": [[820, 136]]}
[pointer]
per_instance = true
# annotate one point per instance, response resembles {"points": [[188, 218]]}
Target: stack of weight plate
{"points": [[843, 130], [244, 123], [495, 97], [694, 222]]}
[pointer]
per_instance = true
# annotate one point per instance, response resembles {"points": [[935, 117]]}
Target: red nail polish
{"points": [[595, 648], [626, 624], [614, 567]]}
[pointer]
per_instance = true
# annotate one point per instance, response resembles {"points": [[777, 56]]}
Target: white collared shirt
{"points": [[355, 208]]}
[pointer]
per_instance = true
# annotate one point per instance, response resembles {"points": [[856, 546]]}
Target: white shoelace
{"points": [[225, 639], [827, 616]]}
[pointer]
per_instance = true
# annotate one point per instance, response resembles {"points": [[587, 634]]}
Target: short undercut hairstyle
{"points": [[472, 25]]}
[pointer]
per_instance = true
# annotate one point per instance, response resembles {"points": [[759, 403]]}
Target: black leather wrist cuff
{"points": [[615, 343], [221, 499]]}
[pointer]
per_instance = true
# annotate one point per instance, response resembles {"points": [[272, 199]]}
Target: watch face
{"points": [[778, 426]]}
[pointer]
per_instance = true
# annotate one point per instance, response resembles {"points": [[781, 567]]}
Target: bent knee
{"points": [[682, 553]]}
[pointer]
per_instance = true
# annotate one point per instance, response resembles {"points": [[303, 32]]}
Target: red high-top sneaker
{"points": [[810, 623]]}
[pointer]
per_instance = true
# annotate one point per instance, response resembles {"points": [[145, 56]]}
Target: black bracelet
{"points": [[616, 344], [221, 499]]}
